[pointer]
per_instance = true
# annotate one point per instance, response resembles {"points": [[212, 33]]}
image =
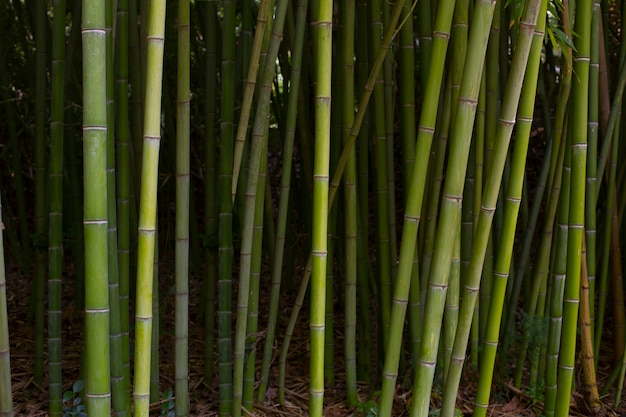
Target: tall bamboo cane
{"points": [[210, 190], [580, 97], [320, 204], [414, 203], [451, 205], [225, 231], [97, 372], [182, 211], [147, 208], [524, 70], [41, 224], [347, 62], [115, 328], [55, 221], [336, 180], [6, 392], [254, 182], [290, 130], [123, 158]]}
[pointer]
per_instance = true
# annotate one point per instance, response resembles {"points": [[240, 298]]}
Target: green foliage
{"points": [[73, 401], [168, 407]]}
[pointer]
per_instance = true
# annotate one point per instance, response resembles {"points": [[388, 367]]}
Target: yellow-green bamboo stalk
{"points": [[97, 372], [449, 223], [580, 108], [147, 207], [323, 62], [414, 203]]}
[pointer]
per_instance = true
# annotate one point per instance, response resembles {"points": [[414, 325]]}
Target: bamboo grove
{"points": [[432, 189]]}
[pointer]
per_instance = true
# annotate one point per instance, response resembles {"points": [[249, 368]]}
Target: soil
{"points": [[32, 400]]}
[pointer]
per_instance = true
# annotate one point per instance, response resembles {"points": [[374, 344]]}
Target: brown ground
{"points": [[31, 400]]}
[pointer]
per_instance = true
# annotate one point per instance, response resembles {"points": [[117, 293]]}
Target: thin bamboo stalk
{"points": [[55, 219], [290, 130], [6, 392], [147, 209], [40, 217], [580, 111], [451, 205], [320, 204], [183, 168], [414, 204]]}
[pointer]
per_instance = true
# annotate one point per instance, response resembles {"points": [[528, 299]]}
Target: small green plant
{"points": [[369, 408], [168, 408], [73, 401]]}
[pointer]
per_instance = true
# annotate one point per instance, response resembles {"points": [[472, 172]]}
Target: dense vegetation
{"points": [[437, 184]]}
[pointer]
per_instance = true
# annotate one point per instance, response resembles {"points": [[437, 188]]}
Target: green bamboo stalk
{"points": [[155, 386], [115, 329], [124, 155], [334, 185], [406, 62], [580, 111], [323, 59], [253, 185], [242, 127], [210, 190], [389, 77], [554, 186], [592, 157], [557, 286], [55, 219], [367, 366], [290, 130], [97, 372], [381, 186], [451, 205], [147, 208], [522, 79], [182, 210], [414, 202], [6, 392], [252, 322], [350, 201], [225, 232], [41, 228]]}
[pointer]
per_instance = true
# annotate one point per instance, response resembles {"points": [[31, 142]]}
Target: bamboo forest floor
{"points": [[32, 400]]}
